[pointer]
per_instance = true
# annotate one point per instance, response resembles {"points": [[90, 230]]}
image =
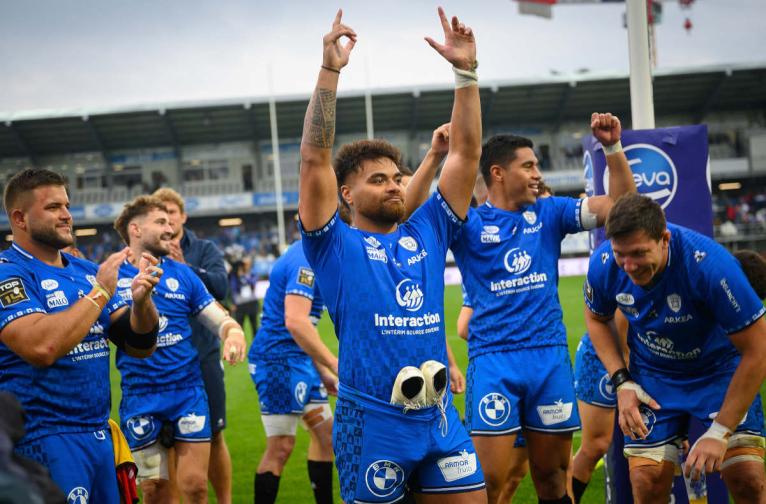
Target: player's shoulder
{"points": [[81, 263], [699, 253]]}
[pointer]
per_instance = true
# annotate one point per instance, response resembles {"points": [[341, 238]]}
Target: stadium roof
{"points": [[543, 102]]}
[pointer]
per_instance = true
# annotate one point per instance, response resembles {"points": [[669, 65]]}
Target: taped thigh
{"points": [[652, 455], [152, 462], [315, 414], [744, 447], [280, 425]]}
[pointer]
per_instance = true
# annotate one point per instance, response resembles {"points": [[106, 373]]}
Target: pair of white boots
{"points": [[420, 388]]}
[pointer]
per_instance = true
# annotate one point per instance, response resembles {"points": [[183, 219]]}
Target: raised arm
{"points": [[318, 193], [608, 130], [459, 172], [420, 185]]}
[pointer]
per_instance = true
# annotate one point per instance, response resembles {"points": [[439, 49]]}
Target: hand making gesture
{"points": [[459, 46], [335, 56]]}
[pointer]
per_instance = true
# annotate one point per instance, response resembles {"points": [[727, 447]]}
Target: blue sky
{"points": [[107, 53]]}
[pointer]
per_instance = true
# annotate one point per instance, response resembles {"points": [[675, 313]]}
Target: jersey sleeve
{"points": [[597, 296], [568, 211], [301, 280], [199, 297], [466, 299], [439, 216], [323, 249], [728, 293], [18, 295]]}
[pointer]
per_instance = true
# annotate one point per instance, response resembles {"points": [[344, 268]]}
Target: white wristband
{"points": [[612, 149], [465, 78], [717, 431]]}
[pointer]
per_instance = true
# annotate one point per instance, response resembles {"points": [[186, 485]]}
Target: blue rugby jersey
{"points": [[385, 293], [509, 264], [180, 294], [679, 326], [72, 395], [291, 275]]}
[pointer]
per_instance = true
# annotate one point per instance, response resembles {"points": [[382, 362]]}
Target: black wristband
{"points": [[121, 334], [620, 376]]}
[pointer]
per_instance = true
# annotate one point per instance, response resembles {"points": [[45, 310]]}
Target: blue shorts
{"points": [[287, 385], [530, 388], [379, 449], [700, 397], [81, 464], [142, 416], [592, 384]]}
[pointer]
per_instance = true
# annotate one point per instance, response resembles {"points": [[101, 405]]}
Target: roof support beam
{"points": [[22, 144], [486, 107], [170, 129], [560, 111], [95, 135]]}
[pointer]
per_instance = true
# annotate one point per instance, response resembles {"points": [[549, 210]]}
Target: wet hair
{"points": [[350, 157], [634, 212], [754, 266], [139, 207], [26, 181], [500, 150]]}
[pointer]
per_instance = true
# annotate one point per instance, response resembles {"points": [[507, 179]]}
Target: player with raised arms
{"points": [[383, 284]]}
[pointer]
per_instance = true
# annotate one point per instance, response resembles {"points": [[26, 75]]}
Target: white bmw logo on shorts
{"points": [[383, 477], [494, 409]]}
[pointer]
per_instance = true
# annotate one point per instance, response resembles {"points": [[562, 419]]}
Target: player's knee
{"points": [[597, 447], [280, 448], [746, 485]]}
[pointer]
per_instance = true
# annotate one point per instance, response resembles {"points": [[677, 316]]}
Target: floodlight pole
{"points": [[641, 95], [277, 166], [368, 102]]}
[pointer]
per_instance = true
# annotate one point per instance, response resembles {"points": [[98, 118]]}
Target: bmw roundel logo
{"points": [[494, 409], [605, 387], [77, 495], [383, 477], [141, 427], [653, 171], [648, 417]]}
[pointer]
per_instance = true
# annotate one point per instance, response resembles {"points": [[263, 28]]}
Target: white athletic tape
{"points": [[667, 452], [588, 219], [215, 319], [280, 425], [152, 462], [315, 415]]}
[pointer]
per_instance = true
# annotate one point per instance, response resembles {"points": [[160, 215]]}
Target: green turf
{"points": [[245, 436]]}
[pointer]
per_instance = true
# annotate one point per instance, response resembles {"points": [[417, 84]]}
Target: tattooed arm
{"points": [[318, 191]]}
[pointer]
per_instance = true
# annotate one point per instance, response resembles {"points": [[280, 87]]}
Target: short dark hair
{"points": [[754, 266], [28, 180], [350, 157], [634, 212], [500, 150], [139, 207]]}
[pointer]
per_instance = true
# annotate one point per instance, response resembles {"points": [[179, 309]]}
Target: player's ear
{"points": [[496, 173], [18, 218], [665, 238], [345, 194]]}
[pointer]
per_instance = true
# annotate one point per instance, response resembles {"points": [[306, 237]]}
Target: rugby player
{"points": [[167, 388], [206, 260], [383, 283], [519, 372], [697, 341], [293, 370], [56, 313]]}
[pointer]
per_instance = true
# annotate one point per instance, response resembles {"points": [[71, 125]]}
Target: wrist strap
{"points": [[330, 69], [621, 376], [465, 78], [95, 303], [612, 149], [102, 290], [718, 431]]}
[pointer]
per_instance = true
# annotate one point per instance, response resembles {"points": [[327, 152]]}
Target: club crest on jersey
{"points": [[699, 255], [551, 414], [517, 261], [494, 409], [458, 466], [674, 302], [49, 284], [140, 427], [408, 243], [12, 291], [624, 298], [490, 234], [78, 495], [383, 477], [306, 277], [409, 295], [300, 392], [530, 216], [172, 284], [605, 387]]}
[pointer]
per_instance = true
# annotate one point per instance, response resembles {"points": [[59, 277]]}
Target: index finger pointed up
{"points": [[445, 23], [338, 16]]}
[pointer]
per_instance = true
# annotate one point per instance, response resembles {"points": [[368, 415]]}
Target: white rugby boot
{"points": [[409, 389], [435, 375]]}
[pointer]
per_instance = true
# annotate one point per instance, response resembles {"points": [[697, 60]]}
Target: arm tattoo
{"points": [[319, 125]]}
